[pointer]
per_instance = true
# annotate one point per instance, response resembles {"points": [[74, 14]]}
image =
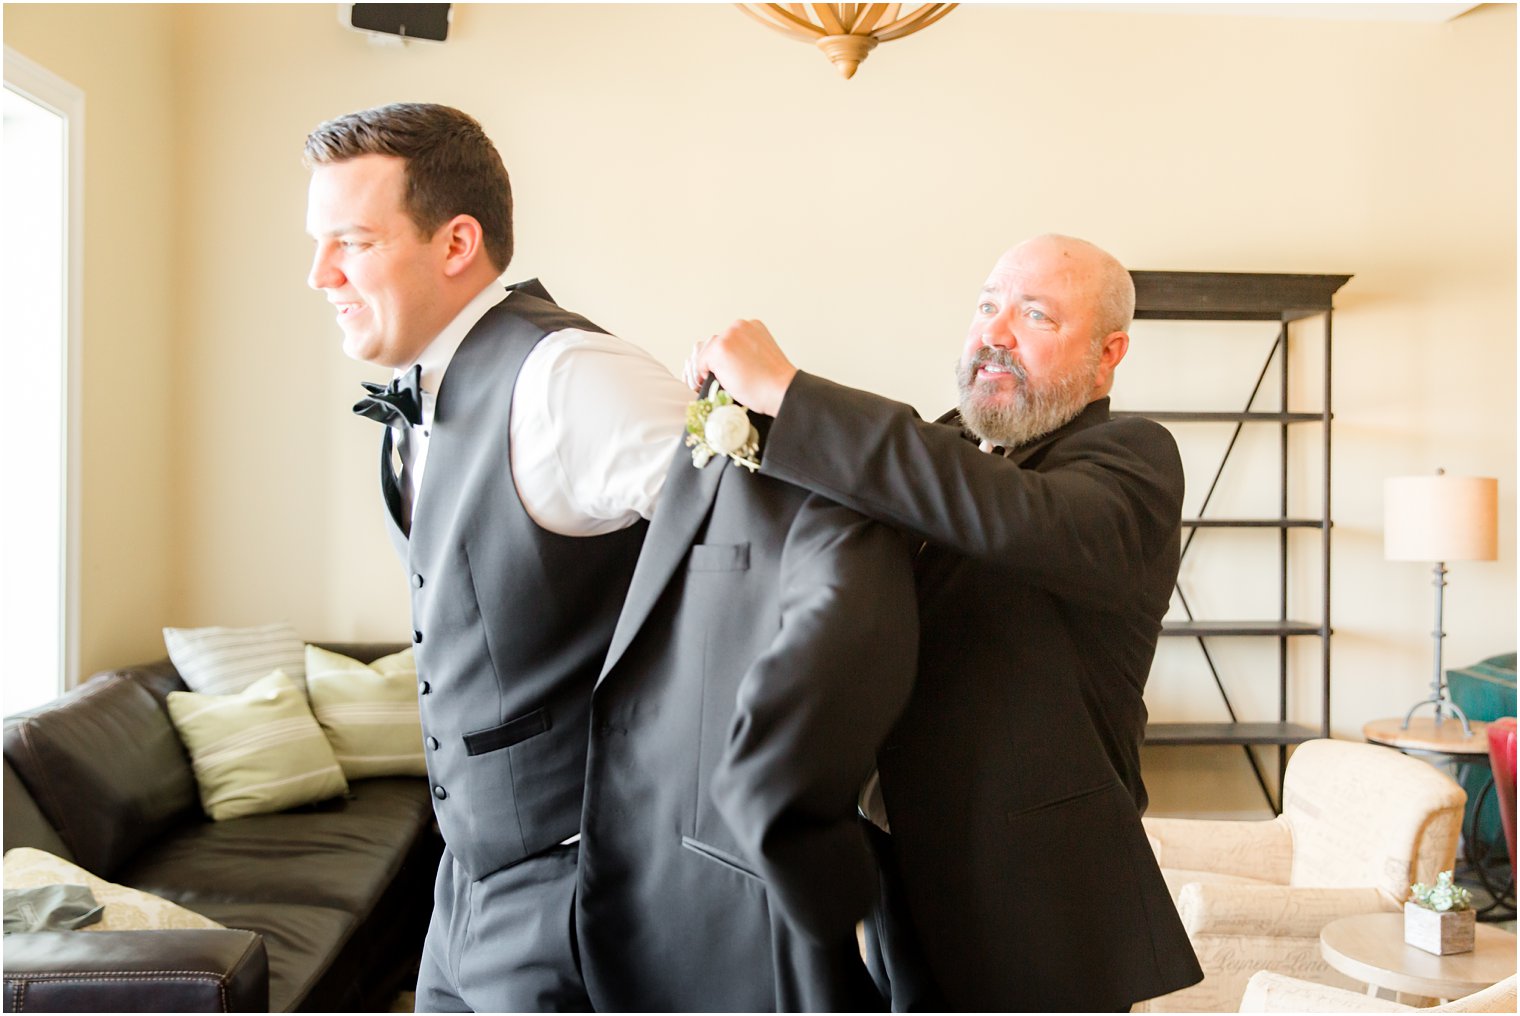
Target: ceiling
{"points": [[1430, 13]]}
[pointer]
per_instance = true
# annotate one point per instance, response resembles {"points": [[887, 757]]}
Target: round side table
{"points": [[1424, 736], [1371, 949]]}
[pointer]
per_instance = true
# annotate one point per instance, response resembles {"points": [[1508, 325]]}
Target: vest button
{"points": [[417, 581], [423, 687], [432, 743], [416, 636], [440, 793]]}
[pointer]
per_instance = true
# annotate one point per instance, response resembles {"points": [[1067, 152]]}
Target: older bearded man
{"points": [[1044, 574]]}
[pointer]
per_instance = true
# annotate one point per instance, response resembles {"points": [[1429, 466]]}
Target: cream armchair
{"points": [[1269, 992], [1359, 824]]}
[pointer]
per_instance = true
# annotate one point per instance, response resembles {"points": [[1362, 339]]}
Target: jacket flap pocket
{"points": [[722, 857], [719, 557]]}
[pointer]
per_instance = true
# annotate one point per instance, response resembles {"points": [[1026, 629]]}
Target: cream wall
{"points": [[677, 166]]}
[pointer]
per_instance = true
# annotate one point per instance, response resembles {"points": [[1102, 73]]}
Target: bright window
{"points": [[39, 213]]}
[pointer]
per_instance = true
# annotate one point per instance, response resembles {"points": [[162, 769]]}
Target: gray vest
{"points": [[512, 622]]}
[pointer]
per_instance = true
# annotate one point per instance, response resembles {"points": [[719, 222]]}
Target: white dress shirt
{"points": [[594, 424]]}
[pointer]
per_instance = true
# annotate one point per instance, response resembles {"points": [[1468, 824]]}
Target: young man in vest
{"points": [[523, 452]]}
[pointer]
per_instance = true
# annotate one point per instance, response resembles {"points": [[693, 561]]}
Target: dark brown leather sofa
{"points": [[325, 906]]}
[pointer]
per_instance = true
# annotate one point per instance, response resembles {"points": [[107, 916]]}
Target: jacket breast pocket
{"points": [[710, 557]]}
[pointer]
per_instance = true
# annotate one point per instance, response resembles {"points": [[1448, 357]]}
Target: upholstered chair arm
{"points": [[1497, 998], [1272, 910], [199, 970], [1270, 992], [1259, 850], [1237, 930]]}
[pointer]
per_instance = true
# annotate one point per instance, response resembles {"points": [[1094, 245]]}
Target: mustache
{"points": [[1004, 358]]}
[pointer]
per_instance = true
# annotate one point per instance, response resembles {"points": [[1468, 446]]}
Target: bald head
{"points": [[1097, 273]]}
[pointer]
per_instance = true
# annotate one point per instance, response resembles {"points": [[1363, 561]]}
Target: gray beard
{"points": [[1035, 409]]}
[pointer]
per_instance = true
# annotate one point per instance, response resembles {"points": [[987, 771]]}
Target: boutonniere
{"points": [[717, 425]]}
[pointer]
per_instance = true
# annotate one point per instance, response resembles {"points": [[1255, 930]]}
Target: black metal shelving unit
{"points": [[1239, 296]]}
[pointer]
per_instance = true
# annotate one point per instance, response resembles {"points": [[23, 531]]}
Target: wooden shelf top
{"points": [[1229, 733], [1224, 296], [1212, 416], [1252, 524], [1238, 628]]}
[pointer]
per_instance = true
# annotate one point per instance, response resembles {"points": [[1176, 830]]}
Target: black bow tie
{"points": [[398, 404]]}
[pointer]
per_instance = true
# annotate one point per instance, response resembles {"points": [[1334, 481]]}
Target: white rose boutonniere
{"points": [[717, 425]]}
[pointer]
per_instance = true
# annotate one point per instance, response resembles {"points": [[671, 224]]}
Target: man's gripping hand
{"points": [[748, 363]]}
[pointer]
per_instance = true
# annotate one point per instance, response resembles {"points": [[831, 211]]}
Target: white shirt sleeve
{"points": [[595, 423]]}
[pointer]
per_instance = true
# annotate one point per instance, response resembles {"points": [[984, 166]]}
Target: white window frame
{"points": [[47, 89]]}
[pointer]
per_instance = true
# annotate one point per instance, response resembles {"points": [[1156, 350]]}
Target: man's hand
{"points": [[748, 363]]}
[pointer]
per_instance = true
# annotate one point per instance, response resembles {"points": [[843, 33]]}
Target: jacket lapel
{"points": [[684, 504], [1096, 412]]}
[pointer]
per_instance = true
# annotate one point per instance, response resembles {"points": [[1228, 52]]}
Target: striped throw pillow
{"points": [[223, 661], [368, 711], [257, 751]]}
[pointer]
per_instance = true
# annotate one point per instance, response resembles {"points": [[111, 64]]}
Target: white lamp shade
{"points": [[1441, 518]]}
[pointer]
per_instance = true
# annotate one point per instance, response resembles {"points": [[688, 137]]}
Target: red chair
{"points": [[1501, 755]]}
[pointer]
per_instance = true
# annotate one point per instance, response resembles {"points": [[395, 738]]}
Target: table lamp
{"points": [[1440, 518]]}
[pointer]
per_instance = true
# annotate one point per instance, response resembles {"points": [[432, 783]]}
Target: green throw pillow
{"points": [[368, 711], [221, 661], [257, 751]]}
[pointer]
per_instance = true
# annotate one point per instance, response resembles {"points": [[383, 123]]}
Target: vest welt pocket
{"points": [[509, 733], [718, 557], [722, 857]]}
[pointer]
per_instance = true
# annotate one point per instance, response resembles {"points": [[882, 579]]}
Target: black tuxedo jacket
{"points": [[765, 648], [1012, 783]]}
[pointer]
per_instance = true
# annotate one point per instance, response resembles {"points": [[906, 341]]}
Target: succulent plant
{"points": [[1443, 896]]}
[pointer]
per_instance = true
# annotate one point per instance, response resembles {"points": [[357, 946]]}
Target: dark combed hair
{"points": [[451, 166]]}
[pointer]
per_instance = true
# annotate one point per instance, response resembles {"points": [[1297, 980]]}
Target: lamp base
{"points": [[1441, 704], [1437, 696]]}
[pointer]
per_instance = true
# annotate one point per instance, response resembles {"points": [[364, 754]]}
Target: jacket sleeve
{"points": [[1102, 501], [812, 711]]}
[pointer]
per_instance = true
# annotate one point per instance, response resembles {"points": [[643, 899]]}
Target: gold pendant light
{"points": [[846, 32]]}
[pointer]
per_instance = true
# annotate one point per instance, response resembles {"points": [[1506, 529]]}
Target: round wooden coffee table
{"points": [[1371, 949]]}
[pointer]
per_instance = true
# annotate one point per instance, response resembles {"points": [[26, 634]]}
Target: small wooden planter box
{"points": [[1439, 932]]}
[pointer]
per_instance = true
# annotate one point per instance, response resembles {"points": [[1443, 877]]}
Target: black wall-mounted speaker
{"points": [[409, 21]]}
